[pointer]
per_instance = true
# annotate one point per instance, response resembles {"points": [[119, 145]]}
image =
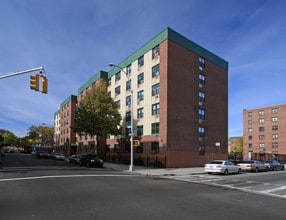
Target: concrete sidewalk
{"points": [[156, 172]]}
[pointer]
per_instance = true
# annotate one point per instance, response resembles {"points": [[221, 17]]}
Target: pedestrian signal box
{"points": [[136, 143]]}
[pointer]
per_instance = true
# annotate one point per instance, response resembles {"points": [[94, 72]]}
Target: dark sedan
{"points": [[74, 159], [90, 160]]}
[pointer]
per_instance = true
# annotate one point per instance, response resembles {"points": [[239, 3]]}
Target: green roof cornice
{"points": [[93, 79], [179, 39], [70, 98], [56, 113]]}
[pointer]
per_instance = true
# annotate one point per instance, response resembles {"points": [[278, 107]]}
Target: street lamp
{"points": [[131, 167]]}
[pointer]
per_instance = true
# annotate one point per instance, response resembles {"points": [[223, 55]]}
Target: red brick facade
{"points": [[264, 131]]}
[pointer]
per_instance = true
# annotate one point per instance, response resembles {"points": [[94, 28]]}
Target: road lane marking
{"points": [[275, 189], [63, 176]]}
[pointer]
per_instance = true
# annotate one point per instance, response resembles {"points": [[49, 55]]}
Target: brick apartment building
{"points": [[180, 104], [67, 139], [264, 132]]}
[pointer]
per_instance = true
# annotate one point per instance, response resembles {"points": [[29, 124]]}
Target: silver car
{"points": [[252, 165], [222, 166]]}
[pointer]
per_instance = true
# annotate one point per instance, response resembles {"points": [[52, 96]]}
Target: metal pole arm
{"points": [[41, 69]]}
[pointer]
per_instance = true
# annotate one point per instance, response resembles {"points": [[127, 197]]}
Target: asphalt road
{"points": [[45, 189]]}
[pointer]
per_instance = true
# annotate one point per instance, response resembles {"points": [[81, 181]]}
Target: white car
{"points": [[58, 156], [222, 166]]}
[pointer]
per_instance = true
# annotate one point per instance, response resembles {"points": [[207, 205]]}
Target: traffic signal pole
{"points": [[41, 69], [34, 79]]}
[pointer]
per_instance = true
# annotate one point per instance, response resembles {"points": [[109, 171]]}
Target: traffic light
{"points": [[34, 82], [44, 84]]}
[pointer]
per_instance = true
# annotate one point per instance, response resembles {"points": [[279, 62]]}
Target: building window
{"points": [[128, 85], [274, 110], [250, 145], [249, 130], [109, 82], [155, 147], [202, 150], [274, 119], [261, 145], [275, 128], [140, 113], [155, 71], [140, 95], [141, 61], [117, 90], [156, 52], [261, 121], [250, 137], [249, 114], [116, 148], [201, 114], [261, 112], [274, 136], [201, 63], [128, 70], [201, 132], [261, 137], [128, 117], [202, 97], [249, 122], [155, 128], [156, 89], [128, 100], [140, 79], [156, 109], [261, 129], [275, 145], [118, 103], [117, 76], [140, 130], [202, 79]]}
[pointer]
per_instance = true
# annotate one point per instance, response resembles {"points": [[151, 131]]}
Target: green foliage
{"points": [[97, 114], [238, 148], [40, 136], [7, 138]]}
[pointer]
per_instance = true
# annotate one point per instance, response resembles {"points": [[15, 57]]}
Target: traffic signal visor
{"points": [[34, 82], [44, 85]]}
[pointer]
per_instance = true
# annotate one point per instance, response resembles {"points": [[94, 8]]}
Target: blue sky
{"points": [[75, 39]]}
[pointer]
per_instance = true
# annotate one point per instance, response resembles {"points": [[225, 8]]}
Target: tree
{"points": [[7, 138], [97, 114], [238, 147], [40, 135]]}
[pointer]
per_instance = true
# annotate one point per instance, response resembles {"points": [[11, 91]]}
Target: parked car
{"points": [[272, 165], [222, 166], [58, 156], [90, 160], [252, 165], [42, 154], [74, 159]]}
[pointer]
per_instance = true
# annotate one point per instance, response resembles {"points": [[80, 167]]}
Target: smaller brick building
{"points": [[264, 132]]}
